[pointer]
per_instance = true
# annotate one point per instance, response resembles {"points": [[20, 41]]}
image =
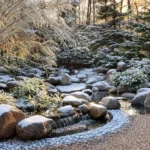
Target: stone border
{"points": [[119, 119]]}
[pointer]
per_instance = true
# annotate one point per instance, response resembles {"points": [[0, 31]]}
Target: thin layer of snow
{"points": [[32, 120], [71, 88], [4, 108]]}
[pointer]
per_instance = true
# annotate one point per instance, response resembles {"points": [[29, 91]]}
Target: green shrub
{"points": [[131, 79], [34, 89], [6, 98]]}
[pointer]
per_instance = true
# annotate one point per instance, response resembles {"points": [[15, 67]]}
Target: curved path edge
{"points": [[119, 120]]}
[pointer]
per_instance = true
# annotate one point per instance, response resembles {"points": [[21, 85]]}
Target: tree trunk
{"points": [[129, 8], [137, 12], [94, 12], [89, 12]]}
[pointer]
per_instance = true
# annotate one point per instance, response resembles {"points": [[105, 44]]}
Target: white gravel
{"points": [[119, 119]]}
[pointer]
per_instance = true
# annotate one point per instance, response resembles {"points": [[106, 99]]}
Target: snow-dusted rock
{"points": [[108, 75], [102, 85], [81, 95], [71, 88], [81, 77], [71, 100], [143, 90], [65, 80], [63, 71], [97, 111], [139, 99], [6, 78], [95, 89], [101, 70], [9, 117], [110, 102], [34, 127], [128, 95], [75, 79], [3, 86], [53, 80], [12, 84], [84, 109], [121, 66], [87, 91], [95, 79], [3, 70], [65, 109]]}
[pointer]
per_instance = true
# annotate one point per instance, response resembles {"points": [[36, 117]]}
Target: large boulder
{"points": [[34, 128], [110, 102], [65, 80], [81, 95], [147, 101], [71, 100], [9, 117], [97, 111]]}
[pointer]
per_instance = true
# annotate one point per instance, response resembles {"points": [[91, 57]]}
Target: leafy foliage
{"points": [[131, 79], [75, 56]]}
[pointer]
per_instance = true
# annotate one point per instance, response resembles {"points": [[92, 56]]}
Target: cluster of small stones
{"points": [[118, 121]]}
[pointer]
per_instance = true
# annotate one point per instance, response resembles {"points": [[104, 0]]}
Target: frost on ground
{"points": [[119, 119]]}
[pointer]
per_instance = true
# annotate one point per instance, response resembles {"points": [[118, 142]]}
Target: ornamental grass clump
{"points": [[6, 98], [132, 79], [34, 89]]}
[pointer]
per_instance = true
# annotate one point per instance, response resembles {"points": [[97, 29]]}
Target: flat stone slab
{"points": [[71, 88]]}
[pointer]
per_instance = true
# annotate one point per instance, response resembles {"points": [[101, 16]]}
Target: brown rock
{"points": [[9, 117], [35, 127], [97, 111]]}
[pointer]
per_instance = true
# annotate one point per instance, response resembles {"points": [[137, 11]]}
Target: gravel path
{"points": [[119, 120], [136, 136]]}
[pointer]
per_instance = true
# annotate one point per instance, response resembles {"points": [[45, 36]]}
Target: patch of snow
{"points": [[32, 120], [4, 108]]}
